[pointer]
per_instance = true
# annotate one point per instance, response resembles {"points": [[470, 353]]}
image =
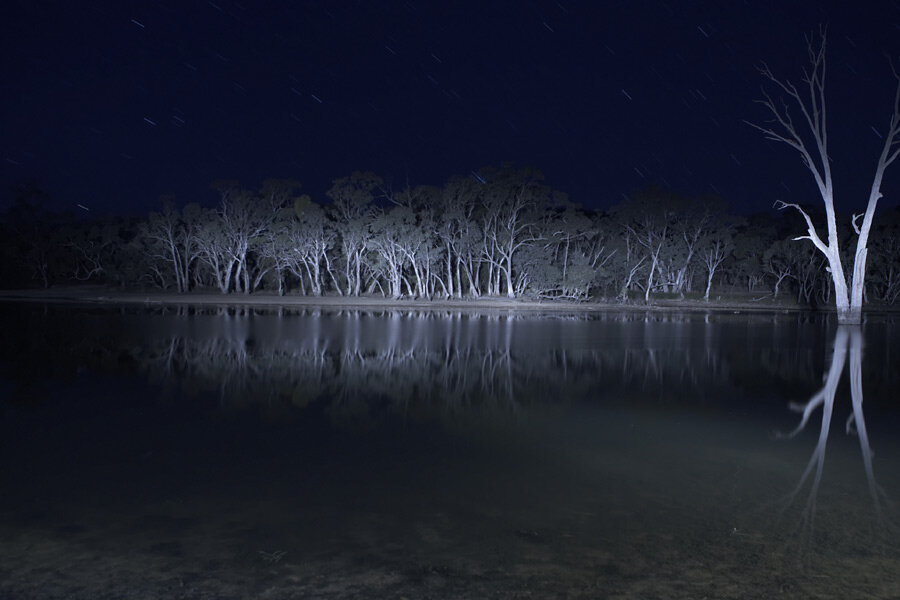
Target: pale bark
{"points": [[848, 296], [847, 340], [712, 258]]}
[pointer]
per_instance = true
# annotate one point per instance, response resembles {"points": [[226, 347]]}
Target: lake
{"points": [[181, 452]]}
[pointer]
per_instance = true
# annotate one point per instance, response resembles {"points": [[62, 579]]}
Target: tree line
{"points": [[500, 231]]}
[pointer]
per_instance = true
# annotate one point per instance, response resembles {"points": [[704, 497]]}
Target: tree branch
{"points": [[813, 110], [813, 236]]}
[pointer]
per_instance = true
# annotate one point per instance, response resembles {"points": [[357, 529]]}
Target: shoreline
{"points": [[104, 295]]}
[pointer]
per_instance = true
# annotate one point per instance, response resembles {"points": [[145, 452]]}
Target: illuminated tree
{"points": [[647, 220], [170, 236], [352, 212], [810, 140], [390, 229], [719, 246], [462, 235], [510, 199]]}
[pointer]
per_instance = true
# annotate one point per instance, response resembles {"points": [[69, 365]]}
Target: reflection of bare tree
{"points": [[856, 422], [847, 338]]}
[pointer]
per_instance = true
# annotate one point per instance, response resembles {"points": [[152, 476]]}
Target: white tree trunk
{"points": [[848, 299]]}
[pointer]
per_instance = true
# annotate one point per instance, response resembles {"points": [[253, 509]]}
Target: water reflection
{"points": [[847, 340], [450, 359], [365, 362], [455, 454]]}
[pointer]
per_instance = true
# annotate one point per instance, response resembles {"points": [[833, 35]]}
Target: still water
{"points": [[239, 453]]}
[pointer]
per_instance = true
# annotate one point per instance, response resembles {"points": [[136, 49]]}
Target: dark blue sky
{"points": [[112, 104]]}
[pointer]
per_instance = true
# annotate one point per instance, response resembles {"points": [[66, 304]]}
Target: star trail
{"points": [[115, 104]]}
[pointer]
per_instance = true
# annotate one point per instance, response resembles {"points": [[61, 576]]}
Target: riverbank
{"points": [[107, 295]]}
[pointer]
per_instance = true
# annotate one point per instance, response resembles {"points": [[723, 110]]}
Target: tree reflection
{"points": [[848, 339], [363, 362]]}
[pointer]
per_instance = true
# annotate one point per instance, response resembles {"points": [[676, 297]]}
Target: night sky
{"points": [[112, 104]]}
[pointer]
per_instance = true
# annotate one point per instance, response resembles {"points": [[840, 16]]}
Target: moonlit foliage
{"points": [[497, 232]]}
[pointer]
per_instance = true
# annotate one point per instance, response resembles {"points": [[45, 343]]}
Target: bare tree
{"points": [[719, 247], [352, 213], [214, 249], [459, 229], [510, 198], [390, 230], [814, 153], [691, 222], [244, 217], [171, 237], [777, 261], [646, 219], [90, 247]]}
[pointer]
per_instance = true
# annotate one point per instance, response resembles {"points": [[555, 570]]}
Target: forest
{"points": [[500, 231]]}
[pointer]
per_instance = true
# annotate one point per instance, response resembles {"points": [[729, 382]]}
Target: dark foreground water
{"points": [[182, 453]]}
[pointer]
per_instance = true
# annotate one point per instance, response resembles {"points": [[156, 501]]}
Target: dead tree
{"points": [[810, 139]]}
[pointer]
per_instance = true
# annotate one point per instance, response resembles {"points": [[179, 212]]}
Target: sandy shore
{"points": [[105, 295]]}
